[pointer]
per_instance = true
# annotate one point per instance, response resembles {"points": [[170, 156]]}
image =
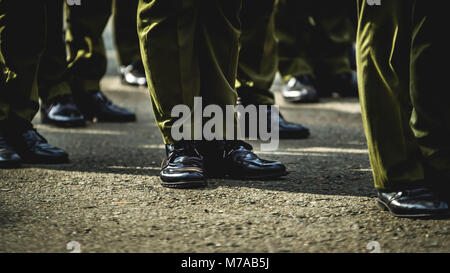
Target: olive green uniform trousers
{"points": [[189, 48], [22, 43], [258, 60], [53, 79], [401, 53], [314, 37], [87, 54]]}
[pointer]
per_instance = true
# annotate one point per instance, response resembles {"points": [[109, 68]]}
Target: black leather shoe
{"points": [[235, 159], [134, 74], [183, 167], [300, 90], [413, 203], [97, 105], [62, 112], [8, 157], [287, 130], [32, 147]]}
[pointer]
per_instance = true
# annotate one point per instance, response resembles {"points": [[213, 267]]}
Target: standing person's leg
{"points": [[87, 54], [52, 69], [58, 107], [333, 37], [127, 42], [315, 40], [87, 60], [430, 120], [181, 58], [19, 100], [258, 62], [383, 62], [189, 49], [294, 33]]}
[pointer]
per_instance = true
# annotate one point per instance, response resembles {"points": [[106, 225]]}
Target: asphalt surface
{"points": [[108, 199]]}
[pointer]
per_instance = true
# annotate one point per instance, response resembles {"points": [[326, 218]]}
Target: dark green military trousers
{"points": [[87, 54], [258, 60], [53, 79], [189, 48], [401, 59], [314, 37], [22, 43]]}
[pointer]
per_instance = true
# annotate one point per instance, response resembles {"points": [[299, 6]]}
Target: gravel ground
{"points": [[108, 199]]}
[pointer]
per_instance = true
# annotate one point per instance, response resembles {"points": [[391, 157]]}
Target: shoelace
{"points": [[184, 148], [233, 144], [100, 96], [32, 137]]}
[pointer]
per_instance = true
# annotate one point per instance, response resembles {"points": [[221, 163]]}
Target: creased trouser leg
{"points": [[52, 78], [22, 42], [87, 54], [189, 48], [126, 38], [314, 37], [384, 57], [258, 60]]}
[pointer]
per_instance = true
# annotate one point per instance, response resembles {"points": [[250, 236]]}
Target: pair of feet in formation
{"points": [[73, 111], [190, 163], [21, 143], [307, 89]]}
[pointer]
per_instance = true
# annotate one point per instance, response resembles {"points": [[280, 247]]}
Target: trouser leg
{"points": [[22, 42], [87, 54], [314, 37], [189, 48], [332, 37], [258, 62], [125, 32], [430, 118], [294, 34], [52, 77], [383, 61]]}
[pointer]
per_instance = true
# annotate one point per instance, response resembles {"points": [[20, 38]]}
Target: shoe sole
{"points": [[64, 124], [10, 165], [256, 177], [385, 207], [184, 184]]}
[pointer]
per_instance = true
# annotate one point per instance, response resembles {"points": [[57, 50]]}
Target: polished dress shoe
{"points": [[32, 147], [62, 112], [95, 105], [235, 159], [183, 167], [300, 90], [133, 74], [412, 203], [289, 130], [286, 130], [8, 157]]}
